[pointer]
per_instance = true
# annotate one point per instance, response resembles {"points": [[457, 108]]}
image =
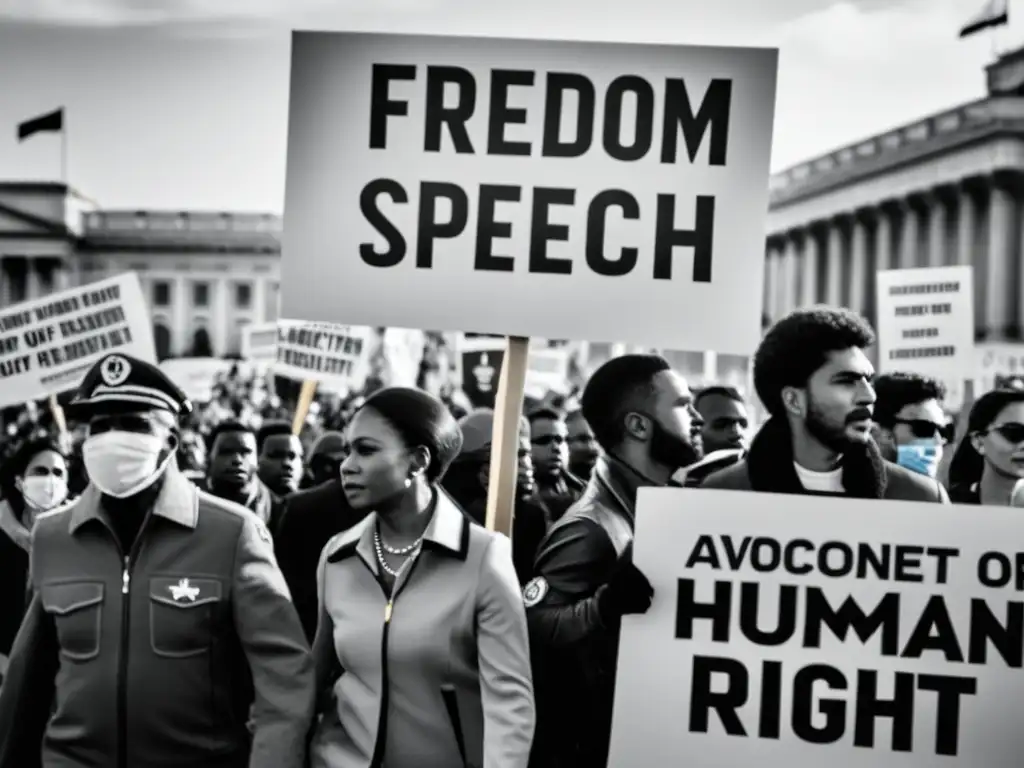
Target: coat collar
{"points": [[621, 481], [770, 465], [178, 501], [447, 533]]}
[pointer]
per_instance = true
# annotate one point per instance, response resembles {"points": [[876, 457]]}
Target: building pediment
{"points": [[16, 223]]}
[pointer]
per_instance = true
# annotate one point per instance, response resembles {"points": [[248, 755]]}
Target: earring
{"points": [[408, 482]]}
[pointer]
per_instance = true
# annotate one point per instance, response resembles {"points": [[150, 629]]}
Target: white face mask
{"points": [[43, 492], [121, 464]]}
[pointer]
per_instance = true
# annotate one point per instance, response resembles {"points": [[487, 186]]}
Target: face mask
{"points": [[44, 492], [919, 457], [121, 464]]}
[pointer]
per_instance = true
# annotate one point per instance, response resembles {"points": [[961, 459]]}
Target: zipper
{"points": [[128, 563], [382, 720]]}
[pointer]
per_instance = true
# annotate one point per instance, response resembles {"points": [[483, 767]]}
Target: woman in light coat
{"points": [[421, 650]]}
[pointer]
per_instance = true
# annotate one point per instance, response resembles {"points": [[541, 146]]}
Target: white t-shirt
{"points": [[821, 482]]}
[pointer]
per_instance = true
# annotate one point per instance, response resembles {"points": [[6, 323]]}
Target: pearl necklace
{"points": [[411, 550]]}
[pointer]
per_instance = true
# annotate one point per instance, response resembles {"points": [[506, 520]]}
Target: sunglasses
{"points": [[922, 429], [1011, 432]]}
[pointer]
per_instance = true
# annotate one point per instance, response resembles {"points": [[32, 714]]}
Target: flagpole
{"points": [[64, 149]]}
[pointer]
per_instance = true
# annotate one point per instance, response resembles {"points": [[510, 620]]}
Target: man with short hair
{"points": [[913, 428], [324, 461], [725, 418], [231, 472], [812, 375], [641, 412], [280, 458], [160, 621], [557, 488], [583, 448]]}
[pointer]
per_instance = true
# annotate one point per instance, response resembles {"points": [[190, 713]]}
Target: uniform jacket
{"points": [[574, 649], [151, 657], [309, 520], [440, 680], [768, 468], [14, 546]]}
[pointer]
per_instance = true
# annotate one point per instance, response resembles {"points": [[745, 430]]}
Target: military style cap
{"points": [[118, 383], [478, 430]]}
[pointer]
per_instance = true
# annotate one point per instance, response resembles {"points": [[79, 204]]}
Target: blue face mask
{"points": [[920, 456]]}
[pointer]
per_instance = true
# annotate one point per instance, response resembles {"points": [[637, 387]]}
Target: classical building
{"points": [[206, 275], [947, 189]]}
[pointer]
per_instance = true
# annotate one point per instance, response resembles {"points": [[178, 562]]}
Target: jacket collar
{"points": [[178, 501], [447, 533], [621, 482], [770, 465]]}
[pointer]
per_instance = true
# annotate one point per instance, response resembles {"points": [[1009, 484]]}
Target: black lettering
{"points": [[502, 115], [749, 603], [554, 110], [947, 711], [375, 218], [725, 703], [428, 229], [908, 559], [869, 708], [704, 551], [879, 564], [644, 123], [790, 556], [713, 114], [735, 556], [851, 616], [1002, 562], [834, 710], [845, 563], [688, 609], [771, 694], [543, 231], [759, 560], [381, 104], [700, 238], [599, 206], [437, 114], [1007, 638], [942, 556], [935, 618], [488, 228]]}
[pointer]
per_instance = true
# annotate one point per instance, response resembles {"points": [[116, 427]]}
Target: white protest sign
{"points": [[511, 186], [794, 630], [925, 325], [196, 376], [334, 355], [259, 342], [47, 345]]}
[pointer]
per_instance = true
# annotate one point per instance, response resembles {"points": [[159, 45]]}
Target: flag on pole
{"points": [[996, 13], [52, 122]]}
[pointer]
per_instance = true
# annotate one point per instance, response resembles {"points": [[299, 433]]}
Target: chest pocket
{"points": [[77, 611], [182, 615]]}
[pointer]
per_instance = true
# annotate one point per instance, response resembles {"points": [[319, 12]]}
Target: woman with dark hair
{"points": [[32, 481], [421, 649], [989, 462]]}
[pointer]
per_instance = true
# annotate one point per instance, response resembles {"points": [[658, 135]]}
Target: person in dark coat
{"points": [[32, 481], [467, 483], [308, 521], [160, 630], [988, 465], [812, 375], [231, 472], [641, 412]]}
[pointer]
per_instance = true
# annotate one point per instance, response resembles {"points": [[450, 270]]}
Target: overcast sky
{"points": [[182, 104]]}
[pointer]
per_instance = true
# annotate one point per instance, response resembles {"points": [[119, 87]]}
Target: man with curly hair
{"points": [[812, 375]]}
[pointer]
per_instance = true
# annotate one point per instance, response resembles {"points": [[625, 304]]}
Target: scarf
{"points": [[770, 464]]}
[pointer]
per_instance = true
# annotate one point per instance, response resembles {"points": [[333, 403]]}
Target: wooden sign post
{"points": [[508, 407], [57, 411], [302, 408]]}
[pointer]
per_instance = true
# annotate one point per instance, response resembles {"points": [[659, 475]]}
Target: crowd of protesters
{"points": [[498, 653]]}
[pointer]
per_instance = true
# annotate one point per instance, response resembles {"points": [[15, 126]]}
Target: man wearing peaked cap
{"points": [[159, 621]]}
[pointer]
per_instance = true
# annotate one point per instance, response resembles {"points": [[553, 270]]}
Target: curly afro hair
{"points": [[799, 344]]}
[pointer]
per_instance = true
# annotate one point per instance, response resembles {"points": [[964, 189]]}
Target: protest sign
{"points": [[479, 364], [333, 355], [510, 186], [926, 325], [197, 376], [47, 345], [259, 342], [793, 630]]}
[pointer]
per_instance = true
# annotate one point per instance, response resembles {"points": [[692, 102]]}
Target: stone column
{"points": [[998, 263], [809, 279], [859, 283], [61, 275], [33, 289], [910, 236], [884, 232], [220, 299], [259, 300], [771, 285], [789, 276], [834, 268], [937, 218], [5, 283], [180, 338], [966, 226]]}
